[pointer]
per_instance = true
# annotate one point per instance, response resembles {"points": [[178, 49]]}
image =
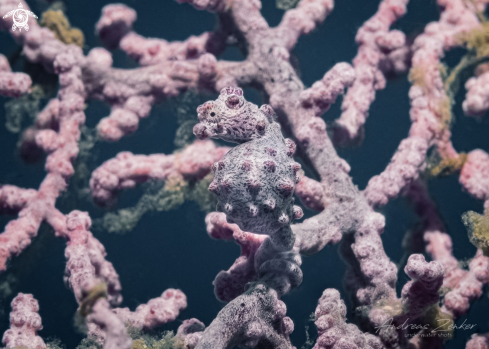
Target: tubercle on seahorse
{"points": [[255, 181]]}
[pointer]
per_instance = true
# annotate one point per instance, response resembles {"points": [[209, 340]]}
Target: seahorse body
{"points": [[255, 181]]}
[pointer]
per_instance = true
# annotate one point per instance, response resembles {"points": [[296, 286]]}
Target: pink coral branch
{"points": [[114, 332], [474, 176], [457, 301], [12, 84], [85, 268], [127, 169], [333, 331], [86, 265], [464, 285], [478, 341], [379, 51], [477, 98], [405, 166], [323, 93], [302, 20], [431, 231], [62, 149], [429, 103], [269, 266], [156, 312], [24, 324], [129, 92], [14, 199]]}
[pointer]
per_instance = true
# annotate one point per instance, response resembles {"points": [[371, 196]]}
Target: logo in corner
{"points": [[20, 17]]}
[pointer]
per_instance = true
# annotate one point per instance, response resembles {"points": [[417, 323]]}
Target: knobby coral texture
{"points": [[254, 182]]}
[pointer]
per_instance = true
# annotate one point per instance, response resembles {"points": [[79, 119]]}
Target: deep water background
{"points": [[172, 249]]}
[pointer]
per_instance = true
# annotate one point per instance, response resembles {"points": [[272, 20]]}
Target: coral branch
{"points": [[126, 170], [191, 332], [333, 331], [86, 265], [427, 279], [302, 20], [323, 93], [474, 176], [254, 182], [24, 324], [13, 84], [156, 312], [379, 51], [457, 301], [62, 148], [431, 231], [254, 319], [116, 22], [114, 331], [14, 199], [430, 104], [464, 285], [405, 166], [477, 98], [480, 341]]}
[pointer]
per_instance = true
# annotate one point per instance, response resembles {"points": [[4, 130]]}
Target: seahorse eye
{"points": [[213, 114]]}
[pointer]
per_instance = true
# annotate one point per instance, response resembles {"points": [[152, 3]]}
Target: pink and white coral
{"points": [[12, 84], [254, 181], [127, 169], [24, 324], [477, 99], [333, 331], [380, 51], [156, 312]]}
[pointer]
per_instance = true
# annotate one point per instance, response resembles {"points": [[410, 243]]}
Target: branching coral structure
{"points": [[280, 150]]}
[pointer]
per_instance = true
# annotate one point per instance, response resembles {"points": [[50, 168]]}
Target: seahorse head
{"points": [[232, 118]]}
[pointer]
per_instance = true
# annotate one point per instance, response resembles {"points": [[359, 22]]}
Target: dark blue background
{"points": [[172, 249]]}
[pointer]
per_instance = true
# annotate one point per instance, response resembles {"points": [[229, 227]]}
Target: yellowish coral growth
{"points": [[391, 307], [90, 298], [139, 344], [437, 319], [202, 196], [173, 194], [477, 39], [446, 166], [59, 25], [445, 112], [166, 340], [478, 229], [417, 77]]}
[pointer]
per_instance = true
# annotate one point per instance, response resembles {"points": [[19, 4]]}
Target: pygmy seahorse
{"points": [[255, 181]]}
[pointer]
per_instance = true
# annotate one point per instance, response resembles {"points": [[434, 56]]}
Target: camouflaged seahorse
{"points": [[255, 181]]}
